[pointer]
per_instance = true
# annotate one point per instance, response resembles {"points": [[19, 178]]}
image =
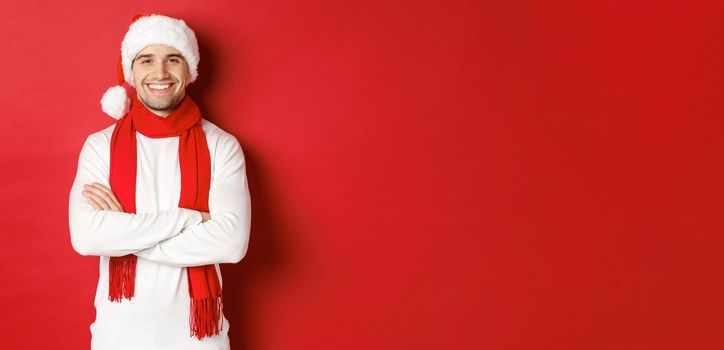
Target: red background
{"points": [[424, 175]]}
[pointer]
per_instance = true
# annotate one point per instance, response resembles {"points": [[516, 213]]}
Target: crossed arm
{"points": [[102, 198], [176, 237]]}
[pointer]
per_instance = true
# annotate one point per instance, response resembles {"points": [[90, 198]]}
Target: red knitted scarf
{"points": [[195, 164]]}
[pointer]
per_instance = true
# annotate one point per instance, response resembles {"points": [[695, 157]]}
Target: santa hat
{"points": [[144, 31]]}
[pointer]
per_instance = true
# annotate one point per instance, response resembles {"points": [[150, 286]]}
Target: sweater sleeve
{"points": [[225, 237], [112, 233]]}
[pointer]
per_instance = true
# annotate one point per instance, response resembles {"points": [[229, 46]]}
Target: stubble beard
{"points": [[160, 103]]}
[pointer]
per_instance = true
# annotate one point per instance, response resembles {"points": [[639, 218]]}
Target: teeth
{"points": [[159, 86]]}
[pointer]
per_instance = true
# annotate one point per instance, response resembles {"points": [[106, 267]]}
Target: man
{"points": [[162, 197]]}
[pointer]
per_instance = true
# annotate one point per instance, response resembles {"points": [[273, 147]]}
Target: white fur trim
{"points": [[115, 102], [159, 30]]}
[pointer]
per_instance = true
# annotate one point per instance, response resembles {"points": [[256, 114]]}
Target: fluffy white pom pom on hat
{"points": [[115, 102]]}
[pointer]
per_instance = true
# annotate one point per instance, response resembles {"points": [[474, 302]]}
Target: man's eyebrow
{"points": [[143, 56], [146, 55]]}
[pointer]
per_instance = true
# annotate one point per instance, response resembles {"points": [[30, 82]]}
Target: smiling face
{"points": [[160, 75]]}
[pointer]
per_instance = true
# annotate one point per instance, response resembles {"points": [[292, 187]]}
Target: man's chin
{"points": [[160, 107], [160, 101]]}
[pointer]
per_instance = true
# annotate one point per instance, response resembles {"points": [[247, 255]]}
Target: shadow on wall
{"points": [[209, 63], [247, 282], [265, 259]]}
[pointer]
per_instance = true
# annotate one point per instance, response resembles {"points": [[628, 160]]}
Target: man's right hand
{"points": [[205, 217], [101, 197]]}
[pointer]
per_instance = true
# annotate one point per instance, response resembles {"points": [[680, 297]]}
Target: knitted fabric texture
{"points": [[195, 164]]}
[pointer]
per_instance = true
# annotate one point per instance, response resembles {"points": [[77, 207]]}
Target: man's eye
{"points": [[144, 61], [174, 60]]}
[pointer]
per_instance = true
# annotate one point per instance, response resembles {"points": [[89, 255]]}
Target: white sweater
{"points": [[165, 238]]}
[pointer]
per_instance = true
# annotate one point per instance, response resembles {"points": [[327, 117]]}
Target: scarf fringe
{"points": [[204, 317], [195, 166], [122, 278]]}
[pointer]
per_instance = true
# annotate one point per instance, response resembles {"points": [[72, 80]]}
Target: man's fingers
{"points": [[102, 188], [101, 197], [110, 195], [97, 199], [104, 196], [93, 203]]}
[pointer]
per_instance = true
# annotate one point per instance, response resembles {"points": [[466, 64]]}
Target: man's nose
{"points": [[160, 71]]}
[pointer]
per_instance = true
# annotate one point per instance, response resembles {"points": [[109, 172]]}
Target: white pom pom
{"points": [[115, 102]]}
